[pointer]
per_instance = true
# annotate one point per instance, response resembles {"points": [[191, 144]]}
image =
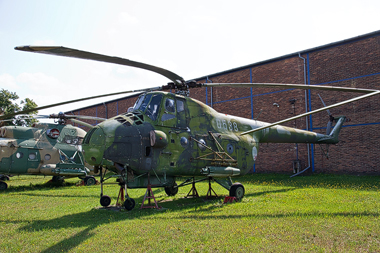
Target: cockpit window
{"points": [[138, 102], [149, 104], [154, 105], [145, 102], [169, 105]]}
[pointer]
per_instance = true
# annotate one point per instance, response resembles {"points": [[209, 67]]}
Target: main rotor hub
{"points": [[182, 88]]}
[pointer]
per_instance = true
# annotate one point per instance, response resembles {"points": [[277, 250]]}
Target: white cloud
{"points": [[8, 82], [38, 81], [125, 18]]}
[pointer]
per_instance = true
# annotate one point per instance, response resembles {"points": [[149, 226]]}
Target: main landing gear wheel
{"points": [[90, 180], [3, 186], [171, 190], [129, 204], [237, 191], [105, 200]]}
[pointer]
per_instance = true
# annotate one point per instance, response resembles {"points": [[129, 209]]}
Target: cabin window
{"points": [[153, 107], [32, 156], [169, 110], [169, 105], [180, 106]]}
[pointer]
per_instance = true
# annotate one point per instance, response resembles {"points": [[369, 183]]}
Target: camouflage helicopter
{"points": [[45, 149], [166, 136]]}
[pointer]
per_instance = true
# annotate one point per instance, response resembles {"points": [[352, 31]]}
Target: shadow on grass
{"points": [[71, 242], [43, 194], [257, 194], [97, 217], [328, 181], [86, 222], [43, 186]]}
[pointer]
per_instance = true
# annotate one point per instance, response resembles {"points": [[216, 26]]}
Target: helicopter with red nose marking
{"points": [[45, 149], [165, 136]]}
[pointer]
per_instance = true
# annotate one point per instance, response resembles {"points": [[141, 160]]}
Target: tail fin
{"points": [[335, 131]]}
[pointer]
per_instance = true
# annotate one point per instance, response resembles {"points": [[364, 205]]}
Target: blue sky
{"points": [[192, 39]]}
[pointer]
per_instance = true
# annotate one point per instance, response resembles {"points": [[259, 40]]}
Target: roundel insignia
{"points": [[254, 153], [53, 133]]}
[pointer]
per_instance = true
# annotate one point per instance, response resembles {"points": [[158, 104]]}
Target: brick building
{"points": [[354, 62]]}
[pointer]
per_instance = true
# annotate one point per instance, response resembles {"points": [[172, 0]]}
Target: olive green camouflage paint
{"points": [[29, 150], [192, 140]]}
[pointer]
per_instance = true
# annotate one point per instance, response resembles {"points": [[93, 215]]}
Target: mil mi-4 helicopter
{"points": [[45, 149], [166, 136]]}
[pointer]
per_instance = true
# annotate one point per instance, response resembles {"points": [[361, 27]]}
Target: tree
{"points": [[8, 105]]}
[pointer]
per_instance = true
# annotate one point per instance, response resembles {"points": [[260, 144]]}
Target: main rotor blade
{"points": [[70, 117], [370, 92], [289, 86], [74, 101], [375, 92], [69, 52], [59, 116], [82, 123]]}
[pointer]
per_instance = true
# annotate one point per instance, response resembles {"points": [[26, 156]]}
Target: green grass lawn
{"points": [[317, 213]]}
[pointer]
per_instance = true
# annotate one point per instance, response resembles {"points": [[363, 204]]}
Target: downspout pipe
{"points": [[307, 122], [106, 109], [208, 80]]}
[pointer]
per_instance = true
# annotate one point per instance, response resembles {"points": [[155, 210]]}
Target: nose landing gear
{"points": [[123, 199]]}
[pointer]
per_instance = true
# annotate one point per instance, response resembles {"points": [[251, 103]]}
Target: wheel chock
{"points": [[229, 199], [80, 183]]}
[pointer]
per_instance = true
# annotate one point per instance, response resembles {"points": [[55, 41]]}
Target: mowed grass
{"points": [[317, 213]]}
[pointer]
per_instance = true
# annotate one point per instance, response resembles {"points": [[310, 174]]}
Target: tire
{"points": [[89, 181], [105, 200], [237, 190], [129, 204], [3, 186], [171, 190]]}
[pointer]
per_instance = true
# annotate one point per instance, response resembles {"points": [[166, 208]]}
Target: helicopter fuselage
{"points": [[169, 135], [44, 149]]}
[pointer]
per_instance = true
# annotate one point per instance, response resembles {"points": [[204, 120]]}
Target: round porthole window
{"points": [[19, 155], [32, 156], [184, 141], [230, 148], [47, 157], [200, 146]]}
